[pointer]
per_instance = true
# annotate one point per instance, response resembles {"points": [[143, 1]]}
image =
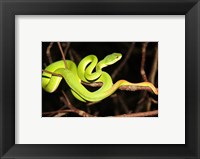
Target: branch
{"points": [[54, 74], [79, 112], [48, 52], [142, 70], [74, 55], [67, 101], [154, 67], [140, 114], [123, 87], [62, 53], [66, 48], [84, 114], [153, 74], [123, 103]]}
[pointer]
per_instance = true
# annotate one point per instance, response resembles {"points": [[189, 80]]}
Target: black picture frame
{"points": [[10, 8]]}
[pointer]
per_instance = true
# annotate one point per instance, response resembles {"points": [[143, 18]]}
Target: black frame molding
{"points": [[10, 8]]}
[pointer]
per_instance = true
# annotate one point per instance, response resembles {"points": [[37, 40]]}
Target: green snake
{"points": [[73, 76]]}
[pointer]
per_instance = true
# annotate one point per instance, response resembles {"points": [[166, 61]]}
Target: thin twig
{"points": [[152, 75], [92, 103], [116, 101], [75, 55], [62, 108], [154, 101], [62, 53], [66, 48], [59, 114], [141, 104], [57, 111], [123, 104], [93, 84], [142, 70], [75, 110], [154, 67], [70, 55], [69, 104], [124, 62], [48, 52], [54, 74], [148, 106]]}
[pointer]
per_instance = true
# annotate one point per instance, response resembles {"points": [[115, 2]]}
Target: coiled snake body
{"points": [[73, 77]]}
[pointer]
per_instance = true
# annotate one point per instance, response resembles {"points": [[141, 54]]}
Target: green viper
{"points": [[85, 72]]}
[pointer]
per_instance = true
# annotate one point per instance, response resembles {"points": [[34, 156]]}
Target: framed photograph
{"points": [[99, 79]]}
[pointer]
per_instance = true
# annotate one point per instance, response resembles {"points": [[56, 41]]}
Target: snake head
{"points": [[112, 58]]}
